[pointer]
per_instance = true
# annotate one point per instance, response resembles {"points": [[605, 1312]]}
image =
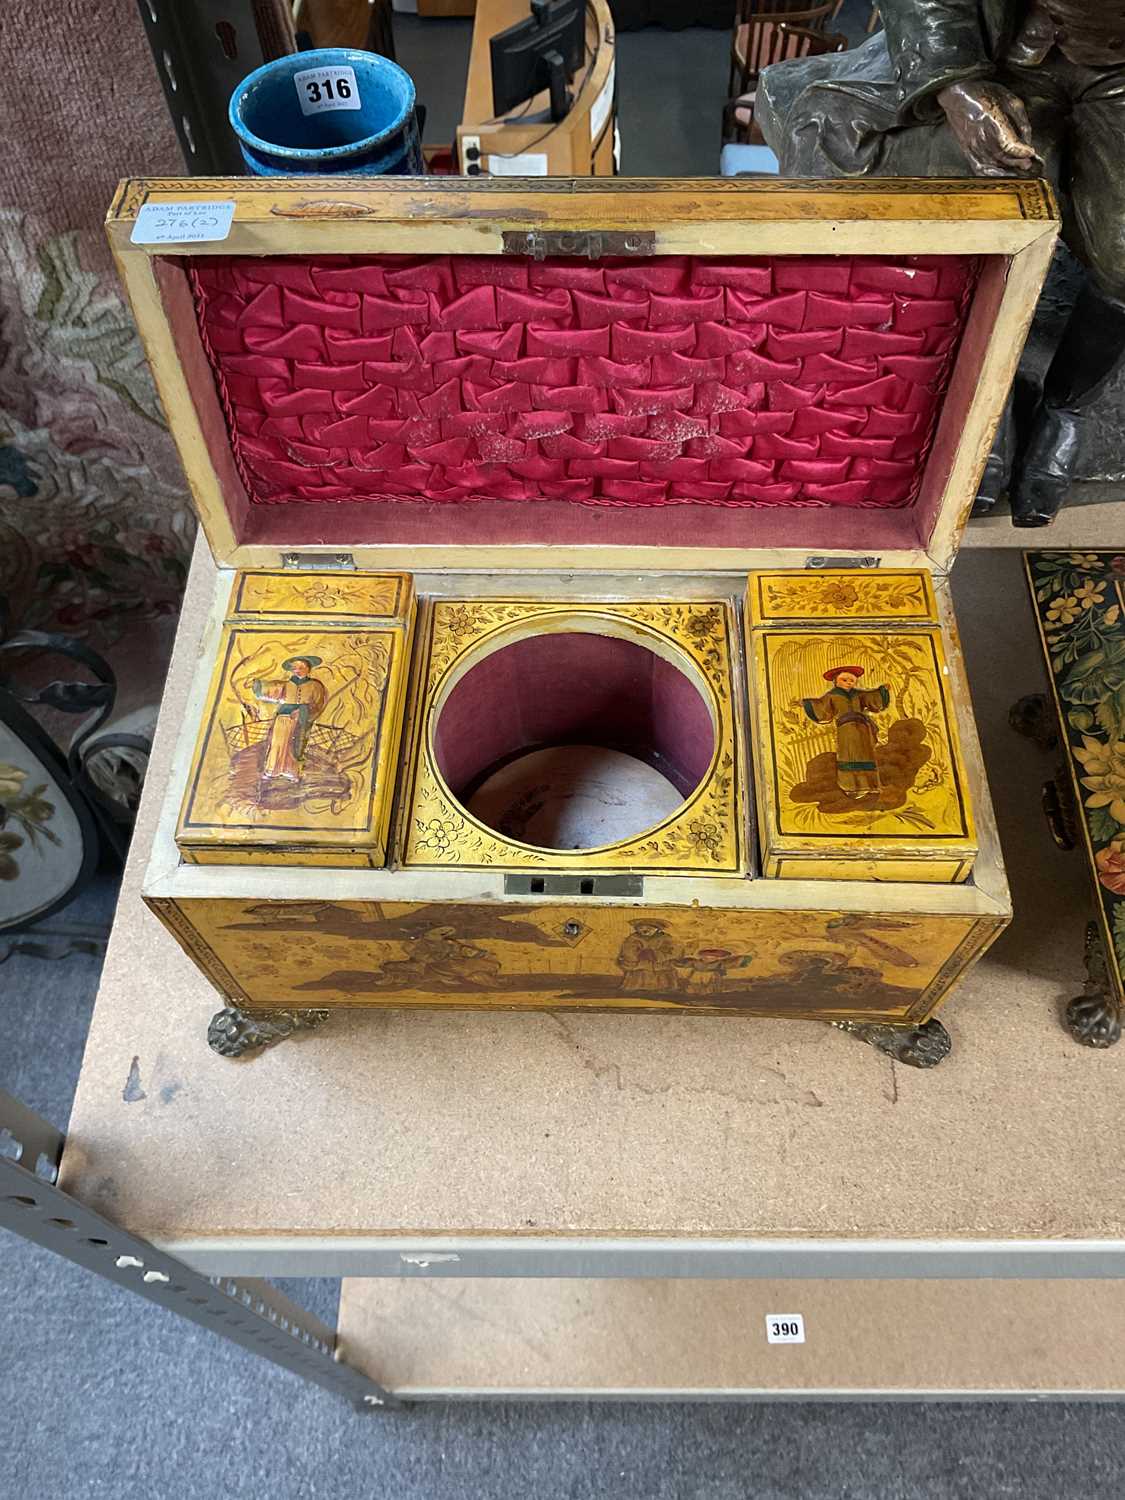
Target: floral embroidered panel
{"points": [[1080, 603]]}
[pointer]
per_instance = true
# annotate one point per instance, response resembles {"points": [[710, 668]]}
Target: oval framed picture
{"points": [[48, 838]]}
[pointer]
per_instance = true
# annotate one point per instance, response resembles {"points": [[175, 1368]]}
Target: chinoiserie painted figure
{"points": [[647, 959], [1008, 87], [300, 698], [440, 958], [849, 707], [706, 971]]}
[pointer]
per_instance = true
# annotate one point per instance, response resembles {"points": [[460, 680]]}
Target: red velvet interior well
{"points": [[573, 689], [796, 381]]}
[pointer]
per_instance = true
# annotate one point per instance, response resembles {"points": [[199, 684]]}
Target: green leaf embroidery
{"points": [[1119, 930], [1102, 826], [1106, 715]]}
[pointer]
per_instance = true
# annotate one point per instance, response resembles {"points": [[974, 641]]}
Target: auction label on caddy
{"points": [[181, 223], [321, 89], [785, 1328]]}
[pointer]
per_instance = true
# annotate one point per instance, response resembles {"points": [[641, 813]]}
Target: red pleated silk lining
{"points": [[669, 381]]}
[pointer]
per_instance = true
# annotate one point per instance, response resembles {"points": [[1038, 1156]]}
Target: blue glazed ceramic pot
{"points": [[332, 110]]}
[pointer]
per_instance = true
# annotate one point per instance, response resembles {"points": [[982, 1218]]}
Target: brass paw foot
{"points": [[1094, 1020], [918, 1046], [1094, 1017], [233, 1032]]}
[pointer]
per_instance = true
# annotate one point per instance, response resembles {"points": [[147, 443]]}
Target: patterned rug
{"points": [[95, 525]]}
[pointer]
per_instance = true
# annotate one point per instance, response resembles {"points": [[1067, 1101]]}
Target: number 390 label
{"points": [[785, 1328], [320, 89]]}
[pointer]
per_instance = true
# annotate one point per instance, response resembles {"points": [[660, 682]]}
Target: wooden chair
{"points": [[754, 20], [874, 20], [780, 37]]}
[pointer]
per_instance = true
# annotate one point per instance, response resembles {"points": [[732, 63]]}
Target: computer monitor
{"points": [[543, 52]]}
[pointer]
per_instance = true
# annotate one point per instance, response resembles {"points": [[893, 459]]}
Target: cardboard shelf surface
{"points": [[707, 1339], [591, 1142]]}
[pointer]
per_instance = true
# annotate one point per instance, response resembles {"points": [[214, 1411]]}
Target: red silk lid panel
{"points": [[796, 381]]}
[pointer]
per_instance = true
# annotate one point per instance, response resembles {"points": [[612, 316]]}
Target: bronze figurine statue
{"points": [[1009, 87]]}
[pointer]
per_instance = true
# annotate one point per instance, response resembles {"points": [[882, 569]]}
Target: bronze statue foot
{"points": [[918, 1046], [1039, 500], [1088, 356], [1044, 469], [983, 505], [997, 476], [233, 1032], [1094, 1017], [993, 485]]}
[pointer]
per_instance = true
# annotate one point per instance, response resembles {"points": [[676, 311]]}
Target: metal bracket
{"points": [[250, 1313], [318, 562], [574, 885], [820, 561], [591, 243]]}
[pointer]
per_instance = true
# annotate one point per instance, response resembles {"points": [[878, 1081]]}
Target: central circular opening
{"points": [[573, 740]]}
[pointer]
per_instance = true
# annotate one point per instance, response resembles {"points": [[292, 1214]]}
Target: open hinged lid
{"points": [[695, 374]]}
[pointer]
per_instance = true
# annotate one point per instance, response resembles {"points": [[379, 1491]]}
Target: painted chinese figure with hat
{"points": [[300, 697], [848, 707], [647, 959]]}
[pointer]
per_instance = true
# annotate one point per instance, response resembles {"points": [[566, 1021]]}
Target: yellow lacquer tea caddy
{"points": [[582, 633]]}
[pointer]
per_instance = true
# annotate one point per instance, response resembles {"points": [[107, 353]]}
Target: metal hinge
{"points": [[591, 243], [842, 562], [319, 562]]}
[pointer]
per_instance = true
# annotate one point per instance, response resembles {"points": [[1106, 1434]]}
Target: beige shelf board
{"points": [[707, 1339], [597, 1138], [1086, 522]]}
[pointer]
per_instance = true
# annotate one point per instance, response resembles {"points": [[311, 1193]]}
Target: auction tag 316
{"points": [[181, 223], [321, 89], [785, 1328]]}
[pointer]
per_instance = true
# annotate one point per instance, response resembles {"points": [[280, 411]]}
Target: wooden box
{"points": [[833, 657], [661, 464], [297, 749]]}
